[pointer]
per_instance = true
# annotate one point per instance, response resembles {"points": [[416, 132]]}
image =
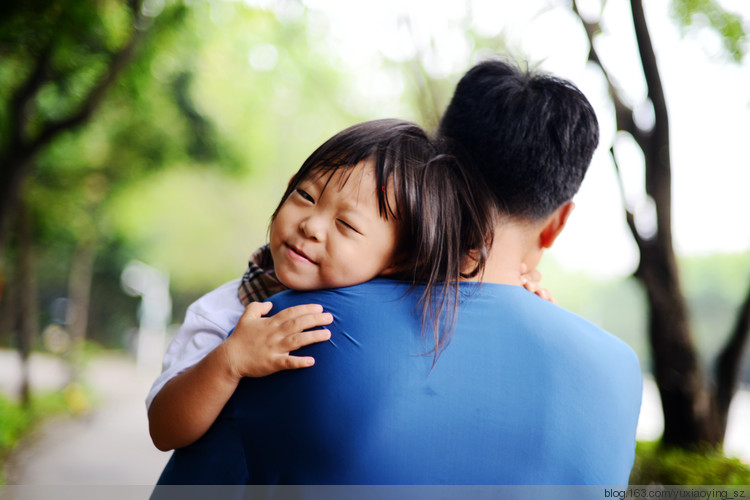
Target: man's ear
{"points": [[555, 224]]}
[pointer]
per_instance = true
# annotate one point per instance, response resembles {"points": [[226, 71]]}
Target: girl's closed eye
{"points": [[348, 226], [305, 195]]}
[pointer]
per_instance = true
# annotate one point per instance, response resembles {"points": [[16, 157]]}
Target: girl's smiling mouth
{"points": [[299, 255]]}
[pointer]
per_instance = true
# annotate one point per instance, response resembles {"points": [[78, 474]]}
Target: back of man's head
{"points": [[530, 136]]}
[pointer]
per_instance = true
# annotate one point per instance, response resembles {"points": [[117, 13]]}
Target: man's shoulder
{"points": [[582, 340], [557, 327], [379, 289]]}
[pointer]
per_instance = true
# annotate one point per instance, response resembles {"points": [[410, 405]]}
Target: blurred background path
{"points": [[110, 446]]}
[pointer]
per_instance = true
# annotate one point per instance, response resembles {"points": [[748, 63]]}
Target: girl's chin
{"points": [[299, 283]]}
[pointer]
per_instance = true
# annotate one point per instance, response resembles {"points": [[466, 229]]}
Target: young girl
{"points": [[374, 200]]}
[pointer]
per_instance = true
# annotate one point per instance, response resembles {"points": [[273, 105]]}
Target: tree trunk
{"points": [[689, 418], [10, 314], [728, 368], [16, 165], [23, 305], [8, 303], [79, 297], [685, 402], [693, 415]]}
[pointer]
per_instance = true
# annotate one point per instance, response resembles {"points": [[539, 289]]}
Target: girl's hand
{"points": [[531, 282], [260, 346]]}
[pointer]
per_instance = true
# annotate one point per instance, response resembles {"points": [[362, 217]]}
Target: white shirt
{"points": [[207, 324]]}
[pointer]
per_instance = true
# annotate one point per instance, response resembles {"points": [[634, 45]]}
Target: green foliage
{"points": [[59, 51], [657, 465], [269, 98], [709, 13], [14, 420], [715, 286], [185, 158]]}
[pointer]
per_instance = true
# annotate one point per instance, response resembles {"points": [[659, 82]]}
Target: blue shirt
{"points": [[525, 393]]}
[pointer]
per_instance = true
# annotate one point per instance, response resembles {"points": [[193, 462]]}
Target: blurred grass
{"points": [[17, 422], [655, 464]]}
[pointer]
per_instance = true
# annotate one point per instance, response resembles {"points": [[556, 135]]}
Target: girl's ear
{"points": [[392, 269], [398, 265]]}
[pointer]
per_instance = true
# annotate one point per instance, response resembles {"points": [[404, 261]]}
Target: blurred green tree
{"points": [[213, 87], [85, 118], [59, 61]]}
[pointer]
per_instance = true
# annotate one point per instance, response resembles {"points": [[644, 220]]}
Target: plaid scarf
{"points": [[259, 281]]}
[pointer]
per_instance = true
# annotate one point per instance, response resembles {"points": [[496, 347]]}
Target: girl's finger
{"points": [[534, 275], [546, 295], [257, 309], [295, 362], [301, 323], [301, 339], [296, 311]]}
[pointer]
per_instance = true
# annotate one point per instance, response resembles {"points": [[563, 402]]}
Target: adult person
{"points": [[524, 393]]}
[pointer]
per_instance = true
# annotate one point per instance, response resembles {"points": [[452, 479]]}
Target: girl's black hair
{"points": [[444, 218]]}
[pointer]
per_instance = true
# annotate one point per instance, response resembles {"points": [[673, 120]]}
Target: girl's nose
{"points": [[312, 227]]}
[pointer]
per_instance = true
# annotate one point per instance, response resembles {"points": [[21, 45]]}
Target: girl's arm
{"points": [[207, 324], [187, 405]]}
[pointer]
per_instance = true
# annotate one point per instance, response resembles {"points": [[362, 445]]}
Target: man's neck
{"points": [[515, 243]]}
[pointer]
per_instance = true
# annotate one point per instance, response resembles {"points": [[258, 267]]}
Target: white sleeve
{"points": [[208, 322]]}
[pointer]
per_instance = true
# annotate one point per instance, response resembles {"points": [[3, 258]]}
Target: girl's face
{"points": [[328, 233]]}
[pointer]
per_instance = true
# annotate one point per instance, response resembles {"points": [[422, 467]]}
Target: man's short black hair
{"points": [[530, 136]]}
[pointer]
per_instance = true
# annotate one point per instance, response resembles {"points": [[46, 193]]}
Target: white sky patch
{"points": [[263, 57]]}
